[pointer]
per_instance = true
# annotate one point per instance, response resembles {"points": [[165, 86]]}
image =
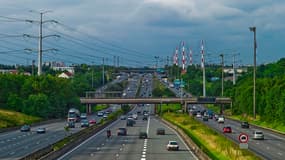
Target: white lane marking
{"points": [[143, 155], [182, 142], [143, 152], [143, 158], [144, 149], [81, 144], [148, 122]]}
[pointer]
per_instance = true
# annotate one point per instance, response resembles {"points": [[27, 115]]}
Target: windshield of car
{"points": [[173, 143]]}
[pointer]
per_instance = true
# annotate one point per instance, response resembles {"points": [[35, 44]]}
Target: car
{"points": [[142, 135], [121, 131], [100, 114], [244, 124], [84, 123], [160, 131], [205, 118], [41, 130], [130, 122], [221, 120], [70, 124], [105, 116], [83, 116], [258, 135], [172, 145], [227, 129], [135, 116], [123, 117], [92, 121], [144, 117], [199, 115], [25, 128]]}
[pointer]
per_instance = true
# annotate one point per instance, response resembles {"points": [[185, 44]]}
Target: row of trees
{"points": [[44, 96], [48, 96]]}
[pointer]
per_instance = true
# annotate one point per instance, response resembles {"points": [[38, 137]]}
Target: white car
{"points": [[258, 135], [172, 145], [135, 116], [221, 120], [199, 115]]}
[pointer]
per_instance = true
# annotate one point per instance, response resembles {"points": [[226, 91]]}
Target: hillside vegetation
{"points": [[12, 118]]}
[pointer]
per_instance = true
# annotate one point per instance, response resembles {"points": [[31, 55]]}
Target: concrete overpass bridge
{"points": [[182, 101]]}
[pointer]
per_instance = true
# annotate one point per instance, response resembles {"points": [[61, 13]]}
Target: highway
{"points": [[16, 144], [272, 147], [130, 147]]}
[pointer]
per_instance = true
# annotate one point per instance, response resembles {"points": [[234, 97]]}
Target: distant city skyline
{"points": [[134, 32]]}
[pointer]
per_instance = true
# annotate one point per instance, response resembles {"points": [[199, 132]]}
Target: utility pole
{"points": [[253, 29], [33, 67], [156, 61], [234, 69], [40, 47], [103, 72], [222, 56], [92, 75]]}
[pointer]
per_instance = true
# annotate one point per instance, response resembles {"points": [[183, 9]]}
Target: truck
{"points": [[73, 115]]}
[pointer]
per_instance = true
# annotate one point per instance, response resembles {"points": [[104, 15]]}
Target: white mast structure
{"points": [[203, 68]]}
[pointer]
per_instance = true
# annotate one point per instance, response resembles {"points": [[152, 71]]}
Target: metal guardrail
{"points": [[48, 152]]}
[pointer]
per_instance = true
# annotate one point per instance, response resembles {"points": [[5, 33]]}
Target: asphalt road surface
{"points": [[272, 147], [131, 147]]}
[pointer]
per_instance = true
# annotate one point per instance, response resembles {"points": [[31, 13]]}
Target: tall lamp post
{"points": [[222, 56], [253, 29]]}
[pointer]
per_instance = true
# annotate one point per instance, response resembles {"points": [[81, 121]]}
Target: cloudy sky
{"points": [[138, 30]]}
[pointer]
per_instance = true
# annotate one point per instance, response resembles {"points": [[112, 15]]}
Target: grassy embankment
{"points": [[12, 119], [211, 142], [275, 126]]}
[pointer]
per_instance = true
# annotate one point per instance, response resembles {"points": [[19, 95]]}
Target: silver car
{"points": [[258, 135]]}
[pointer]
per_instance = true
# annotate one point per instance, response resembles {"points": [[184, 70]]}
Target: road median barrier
{"points": [[189, 142], [62, 146]]}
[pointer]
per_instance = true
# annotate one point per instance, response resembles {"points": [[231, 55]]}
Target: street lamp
{"points": [[222, 56], [253, 29]]}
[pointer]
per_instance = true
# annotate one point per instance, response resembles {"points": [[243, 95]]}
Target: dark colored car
{"points": [[244, 124], [122, 132], [160, 131], [71, 124], [144, 117], [205, 118], [142, 135], [25, 128], [130, 122], [227, 129], [41, 130], [84, 123]]}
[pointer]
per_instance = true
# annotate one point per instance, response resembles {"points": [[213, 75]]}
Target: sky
{"points": [[137, 31]]}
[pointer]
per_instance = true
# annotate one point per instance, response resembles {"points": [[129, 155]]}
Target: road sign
{"points": [[243, 138], [243, 146]]}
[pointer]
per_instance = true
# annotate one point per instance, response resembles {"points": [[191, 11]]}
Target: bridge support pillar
{"points": [[88, 108], [185, 107]]}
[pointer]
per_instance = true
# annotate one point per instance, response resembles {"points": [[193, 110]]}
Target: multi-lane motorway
{"points": [[130, 147], [272, 147]]}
